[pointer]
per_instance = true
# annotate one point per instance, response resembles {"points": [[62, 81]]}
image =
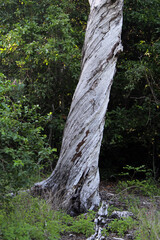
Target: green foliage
{"points": [[24, 149], [121, 226], [149, 227], [144, 187], [132, 171], [148, 218], [147, 187], [38, 47], [84, 224], [145, 223], [31, 218], [28, 218], [132, 122]]}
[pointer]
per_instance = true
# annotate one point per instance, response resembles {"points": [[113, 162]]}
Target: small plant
{"points": [[132, 171], [146, 187], [84, 224], [121, 226]]}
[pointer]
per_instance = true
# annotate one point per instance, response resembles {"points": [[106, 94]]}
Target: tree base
{"points": [[73, 198]]}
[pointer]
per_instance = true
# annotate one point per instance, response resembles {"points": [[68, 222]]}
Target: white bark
{"points": [[100, 222], [75, 180]]}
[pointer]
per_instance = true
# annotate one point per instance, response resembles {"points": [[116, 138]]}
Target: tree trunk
{"points": [[74, 184]]}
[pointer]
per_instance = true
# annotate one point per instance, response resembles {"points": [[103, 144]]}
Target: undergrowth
{"points": [[147, 187], [135, 186], [143, 199], [28, 218], [122, 226], [149, 227]]}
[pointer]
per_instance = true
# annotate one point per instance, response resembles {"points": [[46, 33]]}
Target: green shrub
{"points": [[147, 187], [144, 187], [121, 226], [84, 224], [23, 146]]}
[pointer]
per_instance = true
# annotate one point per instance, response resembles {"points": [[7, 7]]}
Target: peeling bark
{"points": [[74, 183]]}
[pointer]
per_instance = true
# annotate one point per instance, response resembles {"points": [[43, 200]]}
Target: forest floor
{"points": [[144, 209], [26, 217]]}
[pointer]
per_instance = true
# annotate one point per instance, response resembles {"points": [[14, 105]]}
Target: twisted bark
{"points": [[75, 181]]}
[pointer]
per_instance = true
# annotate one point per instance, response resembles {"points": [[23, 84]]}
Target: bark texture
{"points": [[75, 181]]}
